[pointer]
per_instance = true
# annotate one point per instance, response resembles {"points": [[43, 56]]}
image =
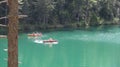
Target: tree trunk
{"points": [[13, 33]]}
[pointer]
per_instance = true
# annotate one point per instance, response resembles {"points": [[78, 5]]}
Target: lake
{"points": [[92, 47]]}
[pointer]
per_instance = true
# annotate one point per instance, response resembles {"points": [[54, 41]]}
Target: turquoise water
{"points": [[93, 47]]}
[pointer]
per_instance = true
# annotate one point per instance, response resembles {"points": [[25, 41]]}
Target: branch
{"points": [[1, 25], [22, 16], [3, 18], [19, 16], [2, 2]]}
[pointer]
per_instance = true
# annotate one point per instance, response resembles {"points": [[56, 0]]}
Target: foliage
{"points": [[43, 13]]}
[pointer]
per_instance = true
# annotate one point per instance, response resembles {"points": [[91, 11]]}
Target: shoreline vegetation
{"points": [[29, 27]]}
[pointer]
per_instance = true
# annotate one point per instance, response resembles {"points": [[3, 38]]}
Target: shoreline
{"points": [[3, 36], [61, 27]]}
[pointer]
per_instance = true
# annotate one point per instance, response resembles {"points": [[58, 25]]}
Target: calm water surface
{"points": [[94, 47]]}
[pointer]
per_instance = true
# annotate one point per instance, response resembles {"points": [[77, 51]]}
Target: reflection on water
{"points": [[98, 37], [78, 48]]}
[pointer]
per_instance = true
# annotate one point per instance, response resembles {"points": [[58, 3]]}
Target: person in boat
{"points": [[50, 39], [35, 34], [40, 34]]}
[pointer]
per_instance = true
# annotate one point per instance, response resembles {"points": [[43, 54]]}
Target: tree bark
{"points": [[13, 33]]}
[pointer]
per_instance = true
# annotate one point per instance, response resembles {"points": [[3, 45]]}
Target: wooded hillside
{"points": [[66, 13]]}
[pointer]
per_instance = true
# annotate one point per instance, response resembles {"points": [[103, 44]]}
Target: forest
{"points": [[46, 14]]}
